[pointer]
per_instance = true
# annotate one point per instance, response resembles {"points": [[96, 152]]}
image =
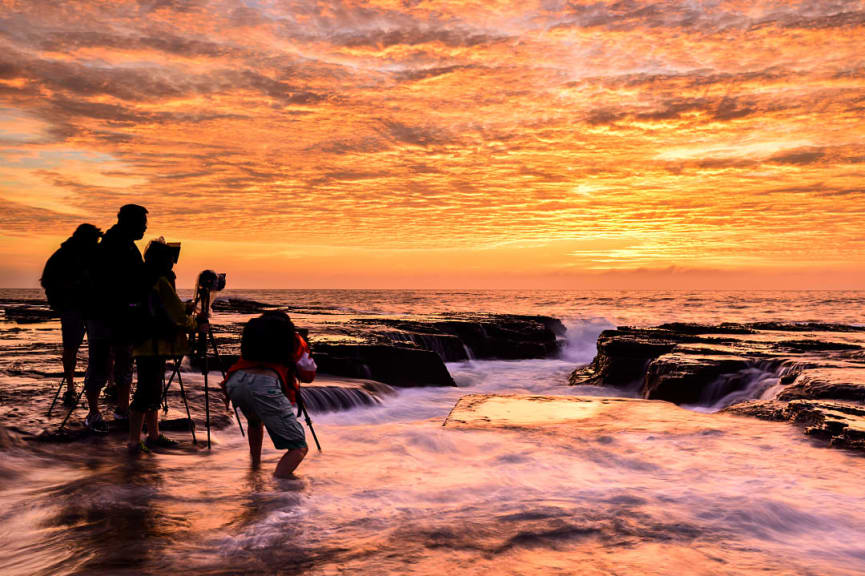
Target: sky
{"points": [[403, 143]]}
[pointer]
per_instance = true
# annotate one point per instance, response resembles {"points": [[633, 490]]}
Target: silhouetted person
{"points": [[119, 277], [163, 324], [264, 382], [67, 280]]}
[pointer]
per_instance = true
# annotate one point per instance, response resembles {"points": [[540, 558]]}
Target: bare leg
{"points": [[136, 419], [70, 359], [255, 432], [289, 461], [152, 418]]}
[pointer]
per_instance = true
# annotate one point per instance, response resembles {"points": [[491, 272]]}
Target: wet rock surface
{"points": [[812, 375]]}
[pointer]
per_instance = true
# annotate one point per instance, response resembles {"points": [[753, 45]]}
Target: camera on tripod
{"points": [[211, 281], [208, 282]]}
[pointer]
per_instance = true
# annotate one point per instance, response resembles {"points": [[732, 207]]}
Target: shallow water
{"points": [[671, 491]]}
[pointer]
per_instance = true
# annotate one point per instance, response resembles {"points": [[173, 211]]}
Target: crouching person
{"points": [[163, 323], [264, 385]]}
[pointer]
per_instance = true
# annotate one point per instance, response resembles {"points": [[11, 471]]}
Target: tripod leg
{"points": [[57, 395], [215, 350], [188, 415], [72, 409], [301, 409], [175, 372], [206, 401], [222, 369]]}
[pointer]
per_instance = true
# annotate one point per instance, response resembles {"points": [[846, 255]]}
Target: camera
{"points": [[210, 281]]}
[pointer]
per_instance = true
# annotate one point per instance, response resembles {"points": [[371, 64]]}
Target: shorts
{"points": [[72, 329], [261, 399]]}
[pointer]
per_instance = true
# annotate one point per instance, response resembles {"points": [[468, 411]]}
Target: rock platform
{"points": [[812, 375]]}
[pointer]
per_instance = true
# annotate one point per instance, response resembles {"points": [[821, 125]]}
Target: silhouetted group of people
{"points": [[128, 307]]}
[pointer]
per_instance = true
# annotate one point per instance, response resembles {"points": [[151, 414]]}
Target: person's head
{"points": [[269, 338], [132, 218], [87, 235], [161, 256]]}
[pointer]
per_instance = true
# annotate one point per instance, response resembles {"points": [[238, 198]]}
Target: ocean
{"points": [[396, 492]]}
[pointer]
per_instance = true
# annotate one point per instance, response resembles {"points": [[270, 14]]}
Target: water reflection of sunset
{"points": [[566, 144]]}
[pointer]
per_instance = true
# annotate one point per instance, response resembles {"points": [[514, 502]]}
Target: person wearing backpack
{"points": [[67, 282], [263, 383], [162, 324]]}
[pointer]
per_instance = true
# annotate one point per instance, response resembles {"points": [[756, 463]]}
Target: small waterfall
{"points": [[469, 355], [760, 381], [448, 347], [339, 398]]}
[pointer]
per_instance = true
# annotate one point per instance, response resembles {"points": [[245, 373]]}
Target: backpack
{"points": [[270, 337]]}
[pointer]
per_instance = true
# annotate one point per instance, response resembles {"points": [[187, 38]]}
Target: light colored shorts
{"points": [[260, 398]]}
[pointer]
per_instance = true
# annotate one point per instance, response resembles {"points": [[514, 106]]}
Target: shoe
{"points": [[96, 424], [162, 442], [136, 449], [70, 398]]}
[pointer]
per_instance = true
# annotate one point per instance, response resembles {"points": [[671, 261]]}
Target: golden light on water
{"points": [[562, 144]]}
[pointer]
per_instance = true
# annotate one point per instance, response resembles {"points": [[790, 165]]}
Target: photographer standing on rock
{"points": [[119, 283], [161, 325], [68, 282], [263, 384]]}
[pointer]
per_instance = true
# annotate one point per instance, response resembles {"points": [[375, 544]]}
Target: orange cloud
{"points": [[457, 143]]}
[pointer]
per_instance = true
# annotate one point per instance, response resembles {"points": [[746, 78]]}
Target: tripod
{"points": [[199, 343]]}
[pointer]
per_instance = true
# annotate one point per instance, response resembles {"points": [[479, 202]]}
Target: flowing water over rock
{"points": [[616, 486]]}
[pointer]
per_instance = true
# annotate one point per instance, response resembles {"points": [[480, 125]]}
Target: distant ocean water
{"points": [[632, 307], [635, 307]]}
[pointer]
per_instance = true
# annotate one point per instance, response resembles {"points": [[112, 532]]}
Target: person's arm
{"points": [[174, 306], [304, 364]]}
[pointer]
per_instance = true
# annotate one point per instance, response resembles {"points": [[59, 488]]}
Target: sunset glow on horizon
{"points": [[627, 144]]}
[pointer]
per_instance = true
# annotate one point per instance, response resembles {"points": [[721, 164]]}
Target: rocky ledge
{"points": [[812, 374], [399, 351], [409, 352]]}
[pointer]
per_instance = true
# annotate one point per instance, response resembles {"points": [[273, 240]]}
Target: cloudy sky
{"points": [[562, 144]]}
